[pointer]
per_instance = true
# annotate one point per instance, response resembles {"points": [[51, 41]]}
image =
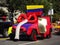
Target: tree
{"points": [[56, 6], [20, 4]]}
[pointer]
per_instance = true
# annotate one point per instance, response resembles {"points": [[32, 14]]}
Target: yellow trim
{"points": [[34, 6], [10, 30], [57, 26]]}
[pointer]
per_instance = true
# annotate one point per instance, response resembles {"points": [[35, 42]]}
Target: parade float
{"points": [[37, 24]]}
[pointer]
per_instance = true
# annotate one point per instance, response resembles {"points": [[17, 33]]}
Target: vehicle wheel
{"points": [[5, 32], [48, 36], [51, 30], [11, 36], [42, 37], [33, 36]]}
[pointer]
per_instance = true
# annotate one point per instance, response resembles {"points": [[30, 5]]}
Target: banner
{"points": [[37, 9]]}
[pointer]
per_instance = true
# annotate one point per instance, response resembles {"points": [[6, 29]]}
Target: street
{"points": [[54, 40]]}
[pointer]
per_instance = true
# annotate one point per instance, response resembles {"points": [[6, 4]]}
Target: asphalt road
{"points": [[54, 40]]}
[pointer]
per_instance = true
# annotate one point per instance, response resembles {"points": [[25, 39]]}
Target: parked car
{"points": [[5, 23], [56, 27]]}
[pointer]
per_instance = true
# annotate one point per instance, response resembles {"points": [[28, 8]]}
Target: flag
{"points": [[37, 9]]}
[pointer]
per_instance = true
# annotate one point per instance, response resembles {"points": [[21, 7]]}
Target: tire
{"points": [[11, 36], [5, 32], [42, 37], [33, 36], [49, 35], [50, 29]]}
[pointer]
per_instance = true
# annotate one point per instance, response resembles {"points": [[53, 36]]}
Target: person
{"points": [[16, 14], [13, 17], [59, 22]]}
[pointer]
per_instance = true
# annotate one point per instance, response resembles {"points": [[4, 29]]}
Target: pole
{"points": [[51, 18], [50, 12]]}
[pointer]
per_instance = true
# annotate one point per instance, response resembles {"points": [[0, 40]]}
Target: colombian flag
{"points": [[37, 9]]}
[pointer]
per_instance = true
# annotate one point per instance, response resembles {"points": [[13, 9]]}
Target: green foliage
{"points": [[56, 6], [21, 4], [56, 16]]}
